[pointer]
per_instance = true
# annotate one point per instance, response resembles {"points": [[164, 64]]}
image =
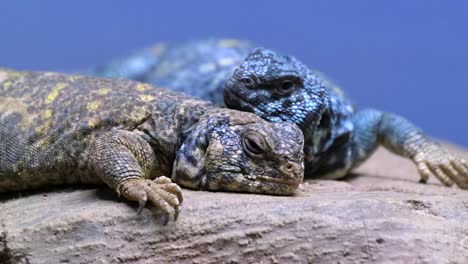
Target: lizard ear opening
{"points": [[189, 165]]}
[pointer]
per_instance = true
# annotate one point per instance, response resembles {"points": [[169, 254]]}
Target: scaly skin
{"points": [[197, 68], [62, 129], [280, 88]]}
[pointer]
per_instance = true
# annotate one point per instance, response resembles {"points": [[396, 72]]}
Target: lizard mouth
{"points": [[311, 121], [230, 96], [292, 183], [261, 178]]}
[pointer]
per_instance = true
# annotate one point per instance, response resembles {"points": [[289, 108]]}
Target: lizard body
{"points": [[64, 129], [198, 68]]}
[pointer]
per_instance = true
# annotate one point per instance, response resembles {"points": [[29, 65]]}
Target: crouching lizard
{"points": [[337, 137], [62, 129], [280, 88]]}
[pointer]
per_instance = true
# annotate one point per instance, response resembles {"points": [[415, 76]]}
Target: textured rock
{"points": [[380, 214]]}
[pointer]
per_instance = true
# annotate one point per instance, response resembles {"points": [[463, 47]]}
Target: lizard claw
{"points": [[141, 205], [164, 194], [435, 160], [176, 213]]}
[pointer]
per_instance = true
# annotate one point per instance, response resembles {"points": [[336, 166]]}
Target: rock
{"points": [[378, 215]]}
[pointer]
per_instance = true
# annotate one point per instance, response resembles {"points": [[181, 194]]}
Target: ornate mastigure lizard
{"points": [[65, 129]]}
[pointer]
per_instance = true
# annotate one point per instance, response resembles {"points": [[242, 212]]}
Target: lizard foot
{"points": [[434, 159], [161, 191]]}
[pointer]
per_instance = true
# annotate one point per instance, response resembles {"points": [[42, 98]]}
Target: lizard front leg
{"points": [[403, 138], [124, 161]]}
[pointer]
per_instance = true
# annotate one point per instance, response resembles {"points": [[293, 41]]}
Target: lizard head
{"points": [[277, 88], [236, 151]]}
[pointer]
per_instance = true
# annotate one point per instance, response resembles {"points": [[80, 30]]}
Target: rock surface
{"points": [[378, 215]]}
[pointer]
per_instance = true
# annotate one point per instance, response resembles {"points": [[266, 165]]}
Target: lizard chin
{"points": [[275, 187], [275, 180], [250, 184]]}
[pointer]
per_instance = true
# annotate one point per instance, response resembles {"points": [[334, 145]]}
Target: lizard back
{"points": [[48, 119]]}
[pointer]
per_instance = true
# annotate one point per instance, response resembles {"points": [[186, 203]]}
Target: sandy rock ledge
{"points": [[379, 215]]}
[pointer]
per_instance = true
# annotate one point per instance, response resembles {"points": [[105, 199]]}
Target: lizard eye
{"points": [[286, 87], [253, 143], [247, 81]]}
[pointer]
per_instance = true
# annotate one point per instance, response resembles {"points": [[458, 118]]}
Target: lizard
{"points": [[338, 137], [67, 129]]}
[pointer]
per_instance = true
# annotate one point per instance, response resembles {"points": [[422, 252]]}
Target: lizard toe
{"points": [[440, 174], [173, 188], [450, 170], [461, 167], [165, 197], [132, 192], [462, 172], [424, 172], [162, 180], [159, 200]]}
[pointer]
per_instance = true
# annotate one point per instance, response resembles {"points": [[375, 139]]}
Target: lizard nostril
{"points": [[289, 169]]}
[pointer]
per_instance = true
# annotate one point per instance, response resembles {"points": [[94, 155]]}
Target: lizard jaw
{"points": [[274, 180], [229, 94]]}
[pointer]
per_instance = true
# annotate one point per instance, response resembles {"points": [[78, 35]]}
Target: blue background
{"points": [[408, 57]]}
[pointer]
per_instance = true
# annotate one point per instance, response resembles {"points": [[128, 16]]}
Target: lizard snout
{"points": [[293, 170]]}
